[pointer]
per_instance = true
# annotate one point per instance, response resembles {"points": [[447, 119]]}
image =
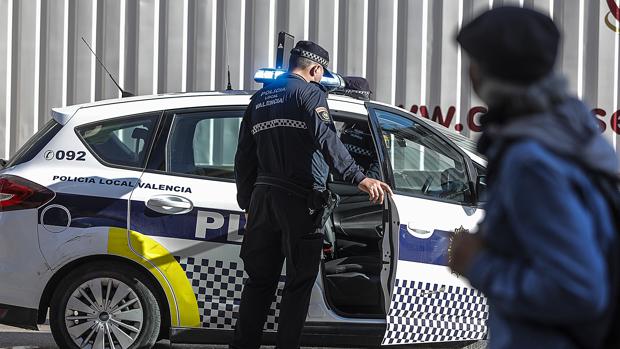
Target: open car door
{"points": [[433, 196]]}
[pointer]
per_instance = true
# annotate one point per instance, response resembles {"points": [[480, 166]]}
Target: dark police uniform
{"points": [[356, 136], [287, 145], [358, 141]]}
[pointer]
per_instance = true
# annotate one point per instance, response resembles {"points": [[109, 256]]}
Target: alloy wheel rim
{"points": [[104, 313]]}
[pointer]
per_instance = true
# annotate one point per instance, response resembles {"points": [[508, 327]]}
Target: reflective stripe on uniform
{"points": [[358, 150], [278, 123]]}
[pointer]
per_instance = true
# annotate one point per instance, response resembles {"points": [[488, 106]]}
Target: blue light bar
{"points": [[267, 75]]}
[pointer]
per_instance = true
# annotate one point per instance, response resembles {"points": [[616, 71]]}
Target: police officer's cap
{"points": [[356, 87], [313, 52], [512, 43]]}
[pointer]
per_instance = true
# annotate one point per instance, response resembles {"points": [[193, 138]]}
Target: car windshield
{"points": [[460, 140]]}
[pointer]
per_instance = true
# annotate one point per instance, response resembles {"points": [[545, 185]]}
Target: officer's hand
{"points": [[375, 188]]}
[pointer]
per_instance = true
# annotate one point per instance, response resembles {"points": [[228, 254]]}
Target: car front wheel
{"points": [[104, 305]]}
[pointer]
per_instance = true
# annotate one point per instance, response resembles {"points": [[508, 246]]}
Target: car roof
{"points": [[338, 103], [62, 114], [176, 100]]}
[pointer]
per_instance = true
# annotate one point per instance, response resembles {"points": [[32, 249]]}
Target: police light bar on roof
{"points": [[267, 75]]}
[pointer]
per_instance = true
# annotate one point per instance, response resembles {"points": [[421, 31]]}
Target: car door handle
{"points": [[411, 227], [169, 204]]}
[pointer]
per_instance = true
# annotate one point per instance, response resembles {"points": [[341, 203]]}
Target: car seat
{"points": [[354, 284]]}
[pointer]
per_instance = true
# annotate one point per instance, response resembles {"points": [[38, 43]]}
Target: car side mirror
{"points": [[481, 188], [2, 163]]}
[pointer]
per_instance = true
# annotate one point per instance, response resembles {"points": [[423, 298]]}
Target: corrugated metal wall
{"points": [[404, 47]]}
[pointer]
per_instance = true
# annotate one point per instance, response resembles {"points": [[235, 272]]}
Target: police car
{"points": [[120, 218]]}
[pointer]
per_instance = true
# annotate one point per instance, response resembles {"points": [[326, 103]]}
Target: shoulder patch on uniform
{"points": [[323, 114]]}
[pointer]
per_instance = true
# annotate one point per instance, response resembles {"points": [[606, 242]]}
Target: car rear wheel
{"points": [[104, 305]]}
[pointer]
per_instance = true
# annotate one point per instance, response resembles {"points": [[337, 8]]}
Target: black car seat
{"points": [[353, 281], [181, 149], [113, 150], [140, 134], [354, 285]]}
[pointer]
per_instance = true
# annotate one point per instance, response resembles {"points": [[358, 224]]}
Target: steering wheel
{"points": [[427, 184]]}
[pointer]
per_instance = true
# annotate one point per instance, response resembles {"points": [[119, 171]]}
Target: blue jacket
{"points": [[547, 231]]}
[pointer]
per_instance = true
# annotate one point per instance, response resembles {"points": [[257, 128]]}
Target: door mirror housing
{"points": [[481, 188], [2, 163]]}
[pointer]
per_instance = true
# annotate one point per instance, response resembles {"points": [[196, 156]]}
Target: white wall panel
{"points": [[145, 50], [410, 54], [6, 19], [405, 48], [204, 44], [381, 72]]}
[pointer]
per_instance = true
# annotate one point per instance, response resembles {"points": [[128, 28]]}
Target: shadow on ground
{"points": [[12, 338]]}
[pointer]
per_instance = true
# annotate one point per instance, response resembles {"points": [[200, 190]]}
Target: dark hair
{"points": [[296, 61]]}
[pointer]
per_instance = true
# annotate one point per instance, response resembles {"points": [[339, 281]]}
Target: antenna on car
{"points": [[229, 87], [123, 92]]}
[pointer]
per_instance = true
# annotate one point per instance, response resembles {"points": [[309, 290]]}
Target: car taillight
{"points": [[17, 193]]}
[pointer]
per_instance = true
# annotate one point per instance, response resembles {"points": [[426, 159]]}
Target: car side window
{"points": [[203, 144], [422, 163], [121, 141]]}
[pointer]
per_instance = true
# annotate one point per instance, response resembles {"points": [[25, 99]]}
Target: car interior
{"points": [[114, 146], [352, 254], [438, 175], [182, 152]]}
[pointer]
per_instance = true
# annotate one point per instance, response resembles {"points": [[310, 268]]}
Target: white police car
{"points": [[120, 217]]}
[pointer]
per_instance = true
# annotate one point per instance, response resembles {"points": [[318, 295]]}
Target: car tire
{"points": [[105, 302]]}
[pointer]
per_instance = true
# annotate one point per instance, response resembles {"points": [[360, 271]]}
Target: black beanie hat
{"points": [[512, 43]]}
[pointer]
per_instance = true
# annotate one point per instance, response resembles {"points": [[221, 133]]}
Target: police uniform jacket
{"points": [[360, 145], [287, 132]]}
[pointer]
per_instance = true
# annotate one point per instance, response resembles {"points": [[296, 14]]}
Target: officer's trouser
{"points": [[279, 227]]}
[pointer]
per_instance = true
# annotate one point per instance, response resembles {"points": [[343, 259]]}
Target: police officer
{"points": [[358, 141], [287, 145], [355, 135]]}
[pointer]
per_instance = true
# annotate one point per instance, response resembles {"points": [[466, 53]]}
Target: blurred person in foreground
{"points": [[542, 252]]}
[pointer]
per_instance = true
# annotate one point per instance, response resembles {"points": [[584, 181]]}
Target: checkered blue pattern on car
{"points": [[218, 285], [425, 312]]}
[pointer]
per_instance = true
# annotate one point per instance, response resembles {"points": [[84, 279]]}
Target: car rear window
{"points": [[35, 144], [122, 141]]}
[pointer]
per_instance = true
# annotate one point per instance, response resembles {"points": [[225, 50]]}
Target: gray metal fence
{"points": [[404, 47]]}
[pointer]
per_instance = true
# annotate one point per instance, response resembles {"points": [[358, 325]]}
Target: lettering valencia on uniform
{"points": [[271, 97]]}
